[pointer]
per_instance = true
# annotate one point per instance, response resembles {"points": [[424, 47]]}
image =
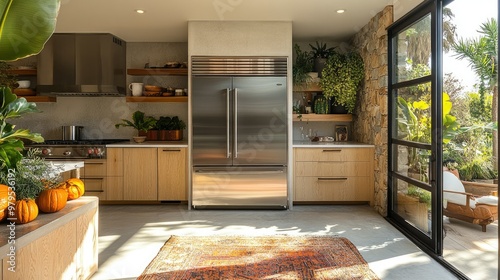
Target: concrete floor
{"points": [[130, 236]]}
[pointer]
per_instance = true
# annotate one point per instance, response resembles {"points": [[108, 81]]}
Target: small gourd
{"points": [[74, 187], [26, 211], [4, 200], [52, 200]]}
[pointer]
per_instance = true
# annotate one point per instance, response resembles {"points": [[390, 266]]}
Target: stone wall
{"points": [[371, 114]]}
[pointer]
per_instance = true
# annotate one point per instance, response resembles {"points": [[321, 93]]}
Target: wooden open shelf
{"points": [[23, 72], [158, 71], [156, 99], [323, 118], [40, 98], [313, 87]]}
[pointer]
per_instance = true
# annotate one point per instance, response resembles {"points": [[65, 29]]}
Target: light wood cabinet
{"points": [[114, 176], [336, 175], [146, 174], [60, 247], [93, 175], [140, 174], [172, 174]]}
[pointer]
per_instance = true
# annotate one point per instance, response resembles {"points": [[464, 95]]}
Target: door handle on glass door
{"points": [[235, 120], [228, 144]]}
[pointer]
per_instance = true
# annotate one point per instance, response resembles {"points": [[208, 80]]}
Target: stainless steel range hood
{"points": [[82, 64]]}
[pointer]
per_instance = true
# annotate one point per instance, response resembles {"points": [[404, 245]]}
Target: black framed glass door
{"points": [[415, 121]]}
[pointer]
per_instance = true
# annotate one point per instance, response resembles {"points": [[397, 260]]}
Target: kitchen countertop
{"points": [[46, 223], [64, 166], [309, 144], [150, 144]]}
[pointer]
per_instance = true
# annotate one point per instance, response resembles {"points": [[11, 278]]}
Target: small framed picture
{"points": [[341, 133]]}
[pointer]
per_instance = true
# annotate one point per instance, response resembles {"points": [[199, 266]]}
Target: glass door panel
{"points": [[413, 140]]}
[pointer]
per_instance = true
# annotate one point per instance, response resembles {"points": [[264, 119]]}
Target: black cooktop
{"points": [[82, 142]]}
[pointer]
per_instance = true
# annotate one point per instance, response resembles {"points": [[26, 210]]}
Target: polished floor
{"points": [[130, 236]]}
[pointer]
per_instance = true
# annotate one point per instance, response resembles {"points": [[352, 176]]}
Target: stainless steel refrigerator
{"points": [[239, 136]]}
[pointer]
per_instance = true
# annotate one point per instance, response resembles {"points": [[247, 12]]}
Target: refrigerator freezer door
{"points": [[212, 119], [260, 121], [243, 187]]}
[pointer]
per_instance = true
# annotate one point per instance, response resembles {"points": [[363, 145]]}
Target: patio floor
{"points": [[470, 250]]}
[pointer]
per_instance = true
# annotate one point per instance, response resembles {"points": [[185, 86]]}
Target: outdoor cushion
{"points": [[452, 183], [491, 200]]}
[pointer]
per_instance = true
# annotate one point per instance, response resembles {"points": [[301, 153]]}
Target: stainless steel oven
{"points": [[91, 152]]}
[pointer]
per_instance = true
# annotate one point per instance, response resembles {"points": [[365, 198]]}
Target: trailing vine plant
{"points": [[342, 77]]}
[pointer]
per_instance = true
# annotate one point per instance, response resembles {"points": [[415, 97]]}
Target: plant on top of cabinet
{"points": [[140, 122], [33, 174], [320, 54], [170, 128], [342, 77], [302, 66]]}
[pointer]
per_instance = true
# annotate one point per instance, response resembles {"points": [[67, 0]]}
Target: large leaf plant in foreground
{"points": [[11, 144], [25, 26]]}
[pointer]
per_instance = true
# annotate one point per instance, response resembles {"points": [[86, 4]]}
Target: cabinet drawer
{"points": [[95, 187], [333, 154], [333, 168], [94, 168], [333, 188]]}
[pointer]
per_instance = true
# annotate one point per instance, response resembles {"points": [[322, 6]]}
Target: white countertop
{"points": [[309, 144], [64, 166], [150, 144]]}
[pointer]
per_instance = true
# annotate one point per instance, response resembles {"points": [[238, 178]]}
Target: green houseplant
{"points": [[342, 77], [301, 68], [320, 54], [170, 128], [139, 122], [33, 174]]}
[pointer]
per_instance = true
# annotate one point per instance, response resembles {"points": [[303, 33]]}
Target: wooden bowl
{"points": [[152, 93], [139, 139], [152, 88]]}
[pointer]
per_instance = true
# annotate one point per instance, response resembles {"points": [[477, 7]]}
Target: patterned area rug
{"points": [[264, 257]]}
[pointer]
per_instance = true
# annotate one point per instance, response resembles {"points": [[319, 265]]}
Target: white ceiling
{"points": [[166, 20]]}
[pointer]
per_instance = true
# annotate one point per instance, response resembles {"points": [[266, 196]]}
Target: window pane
{"points": [[414, 205], [412, 162], [414, 113], [413, 51]]}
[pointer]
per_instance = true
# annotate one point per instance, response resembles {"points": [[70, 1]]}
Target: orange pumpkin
{"points": [[4, 200], [26, 211], [52, 200], [75, 188]]}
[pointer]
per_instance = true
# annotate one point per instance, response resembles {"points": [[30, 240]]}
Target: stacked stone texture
{"points": [[371, 112]]}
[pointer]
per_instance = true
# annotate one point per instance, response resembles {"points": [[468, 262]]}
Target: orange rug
{"points": [[264, 257]]}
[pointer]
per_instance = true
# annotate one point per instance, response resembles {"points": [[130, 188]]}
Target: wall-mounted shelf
{"points": [[23, 72], [323, 118], [313, 87], [156, 99], [40, 98], [158, 72]]}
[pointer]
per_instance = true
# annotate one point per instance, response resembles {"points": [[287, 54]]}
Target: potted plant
{"points": [[153, 133], [302, 67], [320, 53], [32, 176], [141, 123], [342, 77], [170, 128]]}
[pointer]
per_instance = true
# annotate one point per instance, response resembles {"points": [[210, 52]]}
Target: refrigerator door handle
{"points": [[235, 120], [228, 131]]}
